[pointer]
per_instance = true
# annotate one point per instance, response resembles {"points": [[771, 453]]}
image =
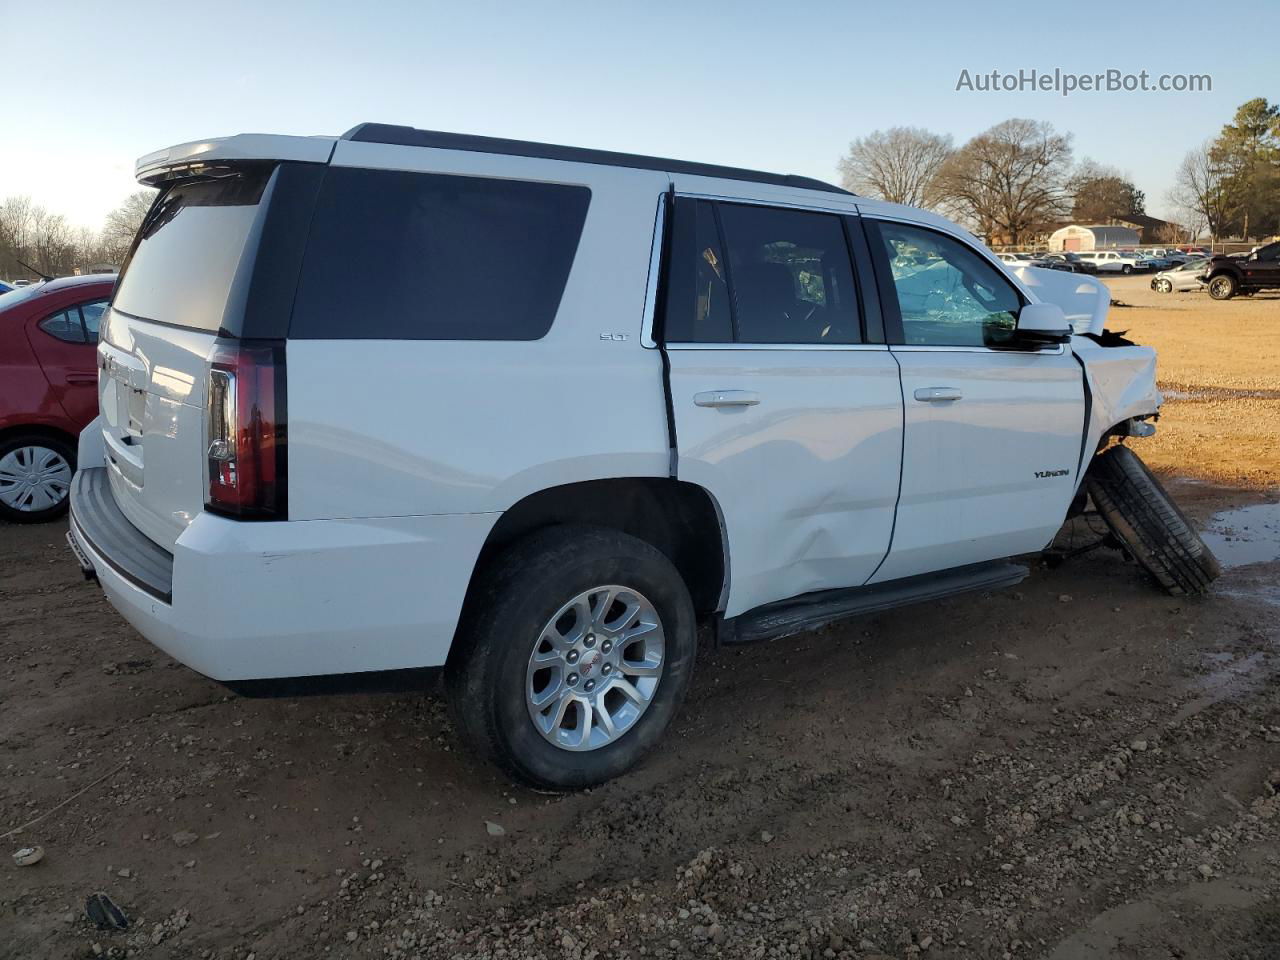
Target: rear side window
{"points": [[413, 256], [65, 326]]}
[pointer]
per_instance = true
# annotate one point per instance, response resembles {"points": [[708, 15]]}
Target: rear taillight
{"points": [[245, 438]]}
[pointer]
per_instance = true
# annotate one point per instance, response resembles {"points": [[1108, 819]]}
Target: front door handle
{"points": [[82, 378], [937, 394], [726, 398]]}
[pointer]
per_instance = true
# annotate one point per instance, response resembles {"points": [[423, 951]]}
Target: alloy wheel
{"points": [[595, 668]]}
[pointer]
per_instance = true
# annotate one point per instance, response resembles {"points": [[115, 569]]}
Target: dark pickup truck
{"points": [[1227, 276]]}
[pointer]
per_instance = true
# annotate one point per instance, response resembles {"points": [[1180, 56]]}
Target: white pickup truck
{"points": [[578, 403]]}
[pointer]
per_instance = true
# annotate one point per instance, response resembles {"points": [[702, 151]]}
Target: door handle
{"points": [[937, 394], [726, 398], [82, 378]]}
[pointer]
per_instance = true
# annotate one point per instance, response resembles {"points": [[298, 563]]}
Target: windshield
{"points": [[189, 250]]}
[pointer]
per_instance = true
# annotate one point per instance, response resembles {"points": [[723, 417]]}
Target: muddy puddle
{"points": [[1246, 535]]}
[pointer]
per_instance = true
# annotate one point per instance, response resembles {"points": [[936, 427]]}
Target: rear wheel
{"points": [[35, 478], [576, 654], [1149, 524], [1126, 269], [1222, 287]]}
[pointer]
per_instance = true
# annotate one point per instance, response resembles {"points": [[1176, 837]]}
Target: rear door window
{"points": [[791, 275], [414, 256]]}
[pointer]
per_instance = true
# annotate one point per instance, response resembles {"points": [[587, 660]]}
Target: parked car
{"points": [[1069, 262], [48, 390], [1112, 261], [1186, 276], [4, 287], [582, 401], [1247, 274]]}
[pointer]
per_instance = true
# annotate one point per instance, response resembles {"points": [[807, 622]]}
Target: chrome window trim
{"points": [[655, 268], [816, 207], [779, 346], [941, 348]]}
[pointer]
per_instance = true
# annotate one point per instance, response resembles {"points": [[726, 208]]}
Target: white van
{"points": [[579, 402]]}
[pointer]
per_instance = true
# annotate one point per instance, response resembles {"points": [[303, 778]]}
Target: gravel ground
{"points": [[1080, 767]]}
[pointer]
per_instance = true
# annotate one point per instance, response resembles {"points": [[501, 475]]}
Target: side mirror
{"points": [[1043, 323]]}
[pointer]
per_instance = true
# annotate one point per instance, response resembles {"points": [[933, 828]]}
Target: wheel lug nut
{"points": [[572, 680], [606, 669], [572, 656], [606, 647], [589, 686], [589, 639]]}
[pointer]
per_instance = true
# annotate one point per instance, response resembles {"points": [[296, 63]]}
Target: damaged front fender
{"points": [[1122, 386]]}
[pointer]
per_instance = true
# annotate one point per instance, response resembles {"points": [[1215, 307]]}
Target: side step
{"points": [[813, 610]]}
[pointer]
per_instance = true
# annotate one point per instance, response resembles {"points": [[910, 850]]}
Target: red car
{"points": [[48, 389]]}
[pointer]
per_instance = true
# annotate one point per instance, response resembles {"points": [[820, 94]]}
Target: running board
{"points": [[787, 617]]}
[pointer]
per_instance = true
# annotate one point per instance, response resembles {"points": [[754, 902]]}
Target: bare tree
{"points": [[899, 164], [1201, 191], [1010, 182], [123, 222]]}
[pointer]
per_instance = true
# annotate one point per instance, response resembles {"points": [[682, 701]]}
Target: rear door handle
{"points": [[937, 394], [726, 398], [82, 378]]}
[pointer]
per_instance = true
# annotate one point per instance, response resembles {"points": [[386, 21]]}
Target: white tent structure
{"points": [[1094, 237]]}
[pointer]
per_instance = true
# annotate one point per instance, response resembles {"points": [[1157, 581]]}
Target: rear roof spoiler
{"points": [[188, 158]]}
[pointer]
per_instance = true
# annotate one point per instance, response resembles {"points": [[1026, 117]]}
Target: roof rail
{"points": [[412, 137]]}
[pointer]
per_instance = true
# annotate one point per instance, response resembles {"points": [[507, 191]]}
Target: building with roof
{"points": [[1093, 237]]}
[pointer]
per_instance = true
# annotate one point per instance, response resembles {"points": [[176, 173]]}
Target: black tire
{"points": [[1223, 286], [507, 608], [22, 442], [1126, 269], [1149, 524]]}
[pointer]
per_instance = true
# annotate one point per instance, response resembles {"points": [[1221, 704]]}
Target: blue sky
{"points": [[773, 85]]}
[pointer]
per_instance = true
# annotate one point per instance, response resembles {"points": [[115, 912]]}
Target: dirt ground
{"points": [[1080, 767]]}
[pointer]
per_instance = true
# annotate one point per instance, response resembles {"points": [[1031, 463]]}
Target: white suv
{"points": [[578, 402]]}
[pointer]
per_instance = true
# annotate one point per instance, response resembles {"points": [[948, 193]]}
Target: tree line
{"points": [[1019, 179], [35, 241]]}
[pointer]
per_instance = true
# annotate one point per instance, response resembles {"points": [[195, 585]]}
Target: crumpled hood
{"points": [[1084, 299]]}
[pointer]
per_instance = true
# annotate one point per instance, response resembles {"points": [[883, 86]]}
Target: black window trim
{"points": [[895, 334], [871, 321]]}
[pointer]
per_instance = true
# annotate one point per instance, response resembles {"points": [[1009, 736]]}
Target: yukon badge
{"points": [[1044, 474]]}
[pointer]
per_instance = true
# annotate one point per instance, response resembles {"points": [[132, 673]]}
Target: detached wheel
{"points": [[1145, 519], [1222, 287], [35, 478], [576, 654]]}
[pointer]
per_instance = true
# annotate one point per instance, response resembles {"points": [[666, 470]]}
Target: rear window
{"points": [[412, 256], [189, 250]]}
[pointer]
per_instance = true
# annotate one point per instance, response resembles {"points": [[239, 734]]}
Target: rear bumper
{"points": [[250, 601]]}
